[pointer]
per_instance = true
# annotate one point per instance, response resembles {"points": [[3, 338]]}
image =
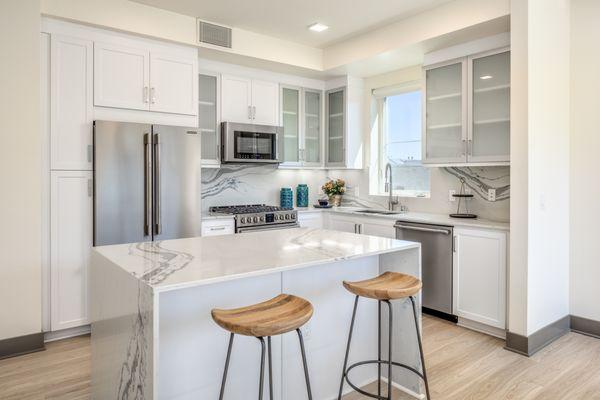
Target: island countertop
{"points": [[175, 264]]}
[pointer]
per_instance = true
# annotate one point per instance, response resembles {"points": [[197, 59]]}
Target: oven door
{"points": [[266, 227], [250, 143]]}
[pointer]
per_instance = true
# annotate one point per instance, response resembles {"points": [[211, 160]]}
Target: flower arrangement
{"points": [[334, 187]]}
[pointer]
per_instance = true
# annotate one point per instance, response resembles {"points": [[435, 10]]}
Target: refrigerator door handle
{"points": [[147, 184], [157, 189]]}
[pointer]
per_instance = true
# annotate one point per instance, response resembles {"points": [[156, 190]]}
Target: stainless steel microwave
{"points": [[250, 143]]}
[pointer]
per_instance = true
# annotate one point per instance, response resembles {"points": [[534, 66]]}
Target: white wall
{"points": [[585, 163], [20, 154]]}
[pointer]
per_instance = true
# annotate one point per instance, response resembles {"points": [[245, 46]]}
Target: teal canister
{"points": [[302, 195], [286, 198]]}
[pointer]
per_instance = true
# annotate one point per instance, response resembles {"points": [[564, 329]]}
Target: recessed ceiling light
{"points": [[318, 27], [486, 77]]}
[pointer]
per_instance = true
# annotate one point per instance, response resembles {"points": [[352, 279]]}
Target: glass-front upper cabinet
{"points": [[290, 117], [208, 118], [311, 153], [445, 122], [336, 126], [489, 119]]}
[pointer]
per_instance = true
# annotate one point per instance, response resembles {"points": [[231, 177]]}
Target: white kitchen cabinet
{"points": [[71, 109], [141, 79], [343, 223], [208, 118], [480, 276], [466, 110], [247, 100], [378, 227], [219, 226], [308, 219], [121, 76], [301, 120], [71, 243], [344, 110], [173, 83]]}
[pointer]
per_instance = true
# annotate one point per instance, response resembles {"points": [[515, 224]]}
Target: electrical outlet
{"points": [[307, 331], [491, 194], [451, 192]]}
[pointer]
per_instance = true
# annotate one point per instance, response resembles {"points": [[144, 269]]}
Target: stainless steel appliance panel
{"points": [[250, 143], [436, 259], [176, 166], [122, 183], [266, 228]]}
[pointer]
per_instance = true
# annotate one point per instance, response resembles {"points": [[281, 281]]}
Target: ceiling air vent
{"points": [[214, 34]]}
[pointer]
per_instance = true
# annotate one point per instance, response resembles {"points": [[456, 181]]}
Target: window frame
{"points": [[380, 95]]}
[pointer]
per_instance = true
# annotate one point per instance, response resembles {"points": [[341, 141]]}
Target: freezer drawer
{"points": [[436, 249]]}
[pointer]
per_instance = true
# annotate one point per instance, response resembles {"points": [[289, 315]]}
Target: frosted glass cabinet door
{"points": [[312, 127], [445, 118], [290, 115], [207, 118], [489, 134], [336, 129]]}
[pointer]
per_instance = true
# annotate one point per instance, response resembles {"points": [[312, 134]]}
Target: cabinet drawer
{"points": [[218, 227]]}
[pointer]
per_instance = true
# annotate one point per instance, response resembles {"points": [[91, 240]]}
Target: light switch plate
{"points": [[451, 192], [491, 194]]}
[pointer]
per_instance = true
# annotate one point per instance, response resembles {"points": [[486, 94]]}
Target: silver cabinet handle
{"points": [[465, 147], [421, 229], [147, 184], [470, 147], [253, 112], [152, 95], [217, 228], [157, 188], [90, 188], [146, 95], [249, 112]]}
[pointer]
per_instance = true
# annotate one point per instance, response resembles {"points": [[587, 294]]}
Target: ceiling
{"points": [[288, 20]]}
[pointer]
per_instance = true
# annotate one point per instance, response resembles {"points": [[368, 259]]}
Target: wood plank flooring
{"points": [[462, 365]]}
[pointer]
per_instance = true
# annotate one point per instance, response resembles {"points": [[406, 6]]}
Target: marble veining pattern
{"points": [[162, 261], [480, 183]]}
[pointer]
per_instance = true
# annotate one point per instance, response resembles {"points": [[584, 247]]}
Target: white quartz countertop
{"points": [[175, 264], [427, 218]]}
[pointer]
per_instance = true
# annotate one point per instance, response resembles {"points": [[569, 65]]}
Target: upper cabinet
{"points": [[301, 118], [140, 79], [246, 100], [466, 110], [344, 121], [208, 118], [71, 111]]}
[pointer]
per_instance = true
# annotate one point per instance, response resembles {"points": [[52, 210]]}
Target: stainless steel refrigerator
{"points": [[146, 182]]}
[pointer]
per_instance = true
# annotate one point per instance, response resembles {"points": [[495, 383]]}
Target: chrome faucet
{"points": [[392, 200]]}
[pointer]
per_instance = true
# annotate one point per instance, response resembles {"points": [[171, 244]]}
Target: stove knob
{"points": [[255, 219], [243, 220], [287, 216], [293, 216], [276, 217], [262, 219]]}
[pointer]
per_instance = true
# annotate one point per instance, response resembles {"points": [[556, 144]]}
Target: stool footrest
{"points": [[383, 362]]}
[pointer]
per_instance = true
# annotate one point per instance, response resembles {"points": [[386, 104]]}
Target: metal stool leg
{"points": [[412, 300], [262, 368], [348, 349], [305, 364], [270, 368], [390, 338], [379, 348], [226, 366]]}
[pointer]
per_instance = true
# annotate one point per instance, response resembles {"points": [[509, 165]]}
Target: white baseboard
{"points": [[482, 328], [66, 333], [405, 389]]}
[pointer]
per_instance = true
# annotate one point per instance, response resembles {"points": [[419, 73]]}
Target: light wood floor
{"points": [[461, 364]]}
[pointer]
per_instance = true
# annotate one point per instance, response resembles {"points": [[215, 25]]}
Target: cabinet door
{"points": [[489, 105], [71, 103], [71, 243], [265, 102], [480, 276], [173, 84], [336, 127], [342, 224], [381, 229], [236, 99], [121, 77], [312, 127], [290, 119], [445, 112], [218, 227], [208, 118]]}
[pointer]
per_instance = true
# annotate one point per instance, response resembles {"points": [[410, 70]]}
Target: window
{"points": [[399, 141]]}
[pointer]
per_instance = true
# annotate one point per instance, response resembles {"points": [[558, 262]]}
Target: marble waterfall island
{"points": [[153, 336]]}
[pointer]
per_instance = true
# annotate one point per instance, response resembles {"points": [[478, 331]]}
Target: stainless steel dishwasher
{"points": [[436, 264]]}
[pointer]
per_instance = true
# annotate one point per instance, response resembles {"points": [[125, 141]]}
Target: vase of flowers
{"points": [[334, 189]]}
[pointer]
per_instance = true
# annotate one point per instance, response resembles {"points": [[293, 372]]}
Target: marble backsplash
{"points": [[255, 184]]}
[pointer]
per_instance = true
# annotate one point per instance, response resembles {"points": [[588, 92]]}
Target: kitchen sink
{"points": [[381, 212]]}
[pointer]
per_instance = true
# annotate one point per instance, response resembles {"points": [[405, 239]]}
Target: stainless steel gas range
{"points": [[258, 217]]}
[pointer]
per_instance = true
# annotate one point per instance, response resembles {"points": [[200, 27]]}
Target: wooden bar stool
{"points": [[387, 286], [279, 315]]}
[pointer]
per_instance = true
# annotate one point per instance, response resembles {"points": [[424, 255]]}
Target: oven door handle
{"points": [[266, 228]]}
